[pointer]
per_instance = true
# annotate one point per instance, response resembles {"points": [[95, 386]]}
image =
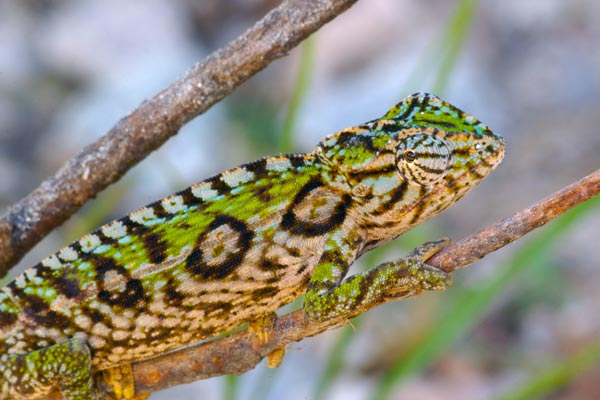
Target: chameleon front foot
{"points": [[396, 279], [416, 276], [65, 366]]}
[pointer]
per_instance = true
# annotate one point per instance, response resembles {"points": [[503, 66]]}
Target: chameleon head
{"points": [[414, 162]]}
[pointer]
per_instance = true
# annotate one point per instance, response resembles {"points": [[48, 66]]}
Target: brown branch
{"points": [[241, 352], [155, 120], [472, 248]]}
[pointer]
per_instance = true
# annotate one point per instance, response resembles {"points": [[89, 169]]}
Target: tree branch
{"points": [[155, 120], [241, 352], [470, 249]]}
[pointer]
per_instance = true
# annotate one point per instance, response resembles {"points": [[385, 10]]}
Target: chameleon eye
{"points": [[423, 158]]}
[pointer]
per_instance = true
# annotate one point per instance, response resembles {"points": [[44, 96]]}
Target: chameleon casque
{"points": [[237, 246]]}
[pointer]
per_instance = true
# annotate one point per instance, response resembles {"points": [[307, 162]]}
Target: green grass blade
{"points": [[468, 307], [456, 32], [444, 51], [231, 383], [554, 377], [307, 62]]}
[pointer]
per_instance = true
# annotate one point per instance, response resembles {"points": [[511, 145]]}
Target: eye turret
{"points": [[423, 158]]}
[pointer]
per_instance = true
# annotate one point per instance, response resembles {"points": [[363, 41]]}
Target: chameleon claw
{"points": [[262, 327], [427, 250]]}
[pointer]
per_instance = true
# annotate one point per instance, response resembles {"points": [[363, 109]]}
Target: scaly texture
{"points": [[236, 247]]}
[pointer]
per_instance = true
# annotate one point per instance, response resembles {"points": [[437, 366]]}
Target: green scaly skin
{"points": [[236, 247]]}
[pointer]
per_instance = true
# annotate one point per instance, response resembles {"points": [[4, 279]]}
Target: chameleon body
{"points": [[237, 246]]}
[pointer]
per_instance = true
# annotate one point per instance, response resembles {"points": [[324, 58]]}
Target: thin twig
{"points": [[154, 121], [241, 352], [470, 249]]}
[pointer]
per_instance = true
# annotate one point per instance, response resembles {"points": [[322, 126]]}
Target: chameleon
{"points": [[236, 247]]}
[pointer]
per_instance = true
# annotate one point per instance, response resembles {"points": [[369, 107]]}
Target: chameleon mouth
{"points": [[473, 163], [478, 158], [494, 152]]}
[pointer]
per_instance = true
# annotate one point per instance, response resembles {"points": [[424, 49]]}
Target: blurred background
{"points": [[522, 323]]}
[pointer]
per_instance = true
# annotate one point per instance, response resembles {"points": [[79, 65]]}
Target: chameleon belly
{"points": [[237, 246]]}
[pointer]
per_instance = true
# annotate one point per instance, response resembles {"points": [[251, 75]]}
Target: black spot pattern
{"points": [[445, 124], [297, 160], [350, 139], [292, 223], [409, 109], [195, 261], [421, 206], [264, 293], [188, 197], [270, 265], [389, 128], [69, 287], [215, 309], [129, 296], [172, 295], [258, 167], [159, 210], [219, 185], [7, 319], [378, 171], [397, 196], [126, 298], [156, 247], [38, 310]]}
